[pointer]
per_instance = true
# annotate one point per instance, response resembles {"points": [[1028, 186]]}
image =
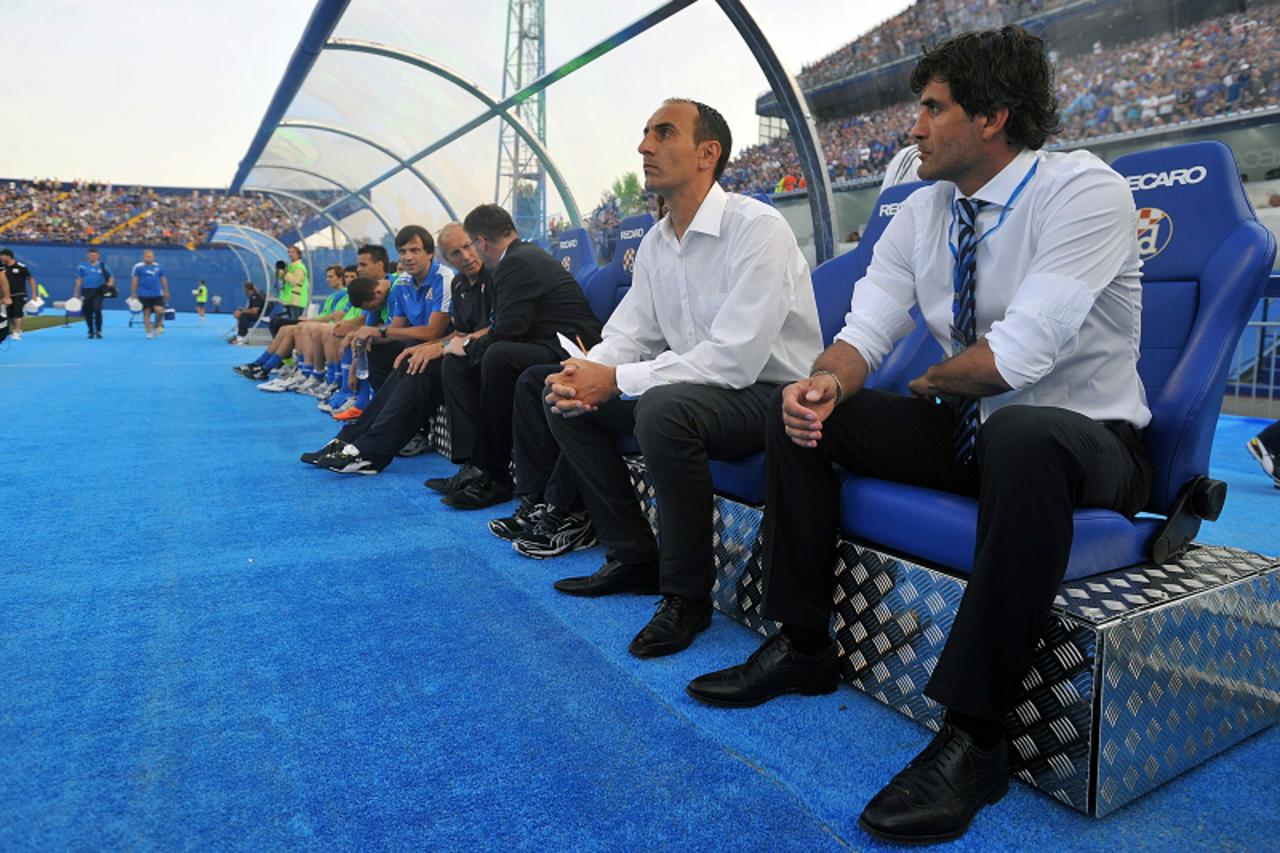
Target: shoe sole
{"points": [[601, 593], [347, 469], [533, 553], [663, 651], [822, 690], [994, 797]]}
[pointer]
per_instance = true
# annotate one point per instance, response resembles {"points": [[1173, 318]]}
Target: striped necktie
{"points": [[964, 325]]}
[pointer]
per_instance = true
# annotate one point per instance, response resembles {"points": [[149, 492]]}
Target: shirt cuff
{"points": [[634, 379]]}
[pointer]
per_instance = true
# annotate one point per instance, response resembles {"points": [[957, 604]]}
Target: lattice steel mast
{"points": [[521, 184]]}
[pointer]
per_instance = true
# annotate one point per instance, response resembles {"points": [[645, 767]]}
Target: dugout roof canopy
{"points": [[390, 111]]}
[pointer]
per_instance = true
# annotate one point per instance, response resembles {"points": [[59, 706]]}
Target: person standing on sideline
{"points": [[151, 287], [91, 276], [201, 294], [15, 278]]}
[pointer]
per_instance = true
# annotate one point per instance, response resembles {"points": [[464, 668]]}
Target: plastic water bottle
{"points": [[360, 358]]}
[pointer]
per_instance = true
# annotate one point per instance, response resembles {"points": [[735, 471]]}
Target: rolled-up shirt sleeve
{"points": [[1086, 242], [759, 298], [879, 313]]}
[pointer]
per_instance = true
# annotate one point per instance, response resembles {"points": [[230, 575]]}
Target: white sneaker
{"points": [[294, 380], [324, 390], [275, 386], [150, 335], [238, 341], [305, 386], [349, 404], [17, 336]]}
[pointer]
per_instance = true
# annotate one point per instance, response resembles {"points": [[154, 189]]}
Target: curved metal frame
{"points": [[372, 208], [311, 204], [780, 80], [266, 265], [804, 134], [496, 109], [304, 124]]}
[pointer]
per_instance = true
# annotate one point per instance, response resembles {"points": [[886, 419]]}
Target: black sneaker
{"points": [[348, 461], [243, 369], [329, 449], [519, 523], [556, 533]]}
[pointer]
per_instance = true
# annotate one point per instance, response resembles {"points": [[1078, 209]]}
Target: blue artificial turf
{"points": [[204, 643]]}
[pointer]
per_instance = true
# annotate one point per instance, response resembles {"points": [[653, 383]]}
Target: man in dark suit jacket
{"points": [[534, 298]]}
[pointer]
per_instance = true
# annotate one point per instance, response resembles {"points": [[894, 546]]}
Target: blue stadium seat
{"points": [[575, 252], [606, 287], [1206, 261]]}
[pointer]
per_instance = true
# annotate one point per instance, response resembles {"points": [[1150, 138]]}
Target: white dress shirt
{"points": [[730, 305], [1058, 291]]}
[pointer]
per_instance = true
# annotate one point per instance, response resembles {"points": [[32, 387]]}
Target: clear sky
{"points": [[170, 92]]}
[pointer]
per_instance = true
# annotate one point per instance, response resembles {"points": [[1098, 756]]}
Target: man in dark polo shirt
{"points": [[406, 399], [535, 298], [17, 278]]}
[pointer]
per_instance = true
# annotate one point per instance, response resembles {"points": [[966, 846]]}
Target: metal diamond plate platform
{"points": [[1142, 673]]}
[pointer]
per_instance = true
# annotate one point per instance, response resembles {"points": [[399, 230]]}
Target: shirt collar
{"points": [[707, 219], [999, 189]]}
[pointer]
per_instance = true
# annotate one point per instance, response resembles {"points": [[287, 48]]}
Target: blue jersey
{"points": [[148, 276], [417, 302], [92, 276]]}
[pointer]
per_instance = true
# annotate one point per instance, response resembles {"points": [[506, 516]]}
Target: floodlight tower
{"points": [[521, 184]]}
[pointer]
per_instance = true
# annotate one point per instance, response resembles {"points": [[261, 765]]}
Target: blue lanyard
{"points": [[1004, 212]]}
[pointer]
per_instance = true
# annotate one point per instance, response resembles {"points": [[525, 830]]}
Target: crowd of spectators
{"points": [[1216, 66], [902, 36], [81, 211]]}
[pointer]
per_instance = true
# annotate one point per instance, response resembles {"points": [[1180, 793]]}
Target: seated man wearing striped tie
{"points": [[1025, 266]]}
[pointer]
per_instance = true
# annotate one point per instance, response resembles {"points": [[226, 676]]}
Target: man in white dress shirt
{"points": [[720, 313], [1041, 248]]}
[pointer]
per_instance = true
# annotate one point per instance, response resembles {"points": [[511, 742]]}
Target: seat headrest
{"points": [[575, 252], [630, 232], [1188, 189]]}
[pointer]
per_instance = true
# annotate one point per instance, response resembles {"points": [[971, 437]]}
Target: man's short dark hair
{"points": [[994, 69], [407, 233], [490, 222], [377, 253], [336, 269], [8, 253], [280, 265], [710, 125], [360, 291], [349, 268]]}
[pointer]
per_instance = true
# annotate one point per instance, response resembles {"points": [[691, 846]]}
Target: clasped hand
{"points": [[581, 387], [806, 405]]}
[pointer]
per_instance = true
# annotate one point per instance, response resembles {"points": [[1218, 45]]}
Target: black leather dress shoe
{"points": [[460, 478], [613, 577], [772, 670], [672, 628], [484, 491], [940, 791]]}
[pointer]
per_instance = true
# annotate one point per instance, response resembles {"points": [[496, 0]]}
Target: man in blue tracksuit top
{"points": [[91, 276], [152, 288], [417, 307]]}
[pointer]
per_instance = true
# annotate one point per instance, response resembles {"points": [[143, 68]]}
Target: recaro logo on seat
{"points": [[631, 234], [568, 244], [890, 209], [1155, 230], [1174, 177]]}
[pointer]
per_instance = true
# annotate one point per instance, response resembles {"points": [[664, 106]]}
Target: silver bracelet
{"points": [[835, 379]]}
